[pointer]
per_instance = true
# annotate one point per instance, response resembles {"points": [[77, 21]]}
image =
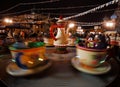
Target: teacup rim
{"points": [[11, 48], [90, 49]]}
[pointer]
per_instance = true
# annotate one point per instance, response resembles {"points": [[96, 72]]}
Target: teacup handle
{"points": [[18, 61], [52, 27], [106, 59]]}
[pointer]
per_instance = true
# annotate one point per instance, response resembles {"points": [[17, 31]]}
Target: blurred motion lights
{"points": [[71, 25], [110, 24], [7, 20]]}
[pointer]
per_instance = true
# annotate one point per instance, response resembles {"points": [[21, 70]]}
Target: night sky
{"points": [[96, 16]]}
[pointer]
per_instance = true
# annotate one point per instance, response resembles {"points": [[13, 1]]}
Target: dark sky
{"points": [[76, 4]]}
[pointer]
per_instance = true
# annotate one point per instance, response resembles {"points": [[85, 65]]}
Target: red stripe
{"points": [[93, 50]]}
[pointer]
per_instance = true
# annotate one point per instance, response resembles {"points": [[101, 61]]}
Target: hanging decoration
{"points": [[89, 23], [92, 10], [77, 15]]}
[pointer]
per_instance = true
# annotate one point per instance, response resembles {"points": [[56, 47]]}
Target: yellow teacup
{"points": [[29, 57]]}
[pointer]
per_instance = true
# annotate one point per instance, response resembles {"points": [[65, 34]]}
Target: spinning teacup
{"points": [[30, 57], [91, 57]]}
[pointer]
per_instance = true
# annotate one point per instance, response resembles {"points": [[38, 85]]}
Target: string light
{"points": [[46, 13], [71, 25], [92, 10], [50, 1], [15, 13], [79, 14], [1, 12], [89, 23], [61, 8], [89, 11], [7, 20]]}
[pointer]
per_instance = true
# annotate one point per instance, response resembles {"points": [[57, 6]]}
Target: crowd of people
{"points": [[10, 36], [89, 40], [94, 41], [97, 40], [101, 41]]}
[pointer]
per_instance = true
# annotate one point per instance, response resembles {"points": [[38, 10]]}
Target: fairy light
{"points": [[7, 20], [40, 59], [109, 24], [30, 62], [71, 25]]}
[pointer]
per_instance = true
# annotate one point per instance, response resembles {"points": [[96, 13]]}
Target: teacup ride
{"points": [[114, 43], [92, 61], [48, 41], [61, 38], [29, 60]]}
